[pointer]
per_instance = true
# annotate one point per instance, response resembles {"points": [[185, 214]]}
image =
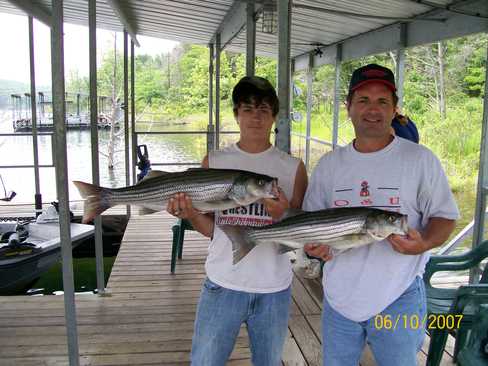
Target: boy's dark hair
{"points": [[256, 90]]}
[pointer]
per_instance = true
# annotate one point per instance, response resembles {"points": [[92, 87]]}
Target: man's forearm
{"points": [[438, 231]]}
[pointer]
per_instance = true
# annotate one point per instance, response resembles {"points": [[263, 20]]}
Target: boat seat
{"points": [[178, 239], [451, 301]]}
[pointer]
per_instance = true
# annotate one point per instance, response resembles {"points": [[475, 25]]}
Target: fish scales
{"points": [[326, 228], [195, 192], [340, 228], [210, 189]]}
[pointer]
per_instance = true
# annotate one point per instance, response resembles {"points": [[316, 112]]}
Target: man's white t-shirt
{"points": [[404, 177]]}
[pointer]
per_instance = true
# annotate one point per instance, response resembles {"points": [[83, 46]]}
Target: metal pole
{"points": [[210, 127], [133, 112], [337, 92], [217, 91], [400, 64], [479, 214], [126, 115], [309, 110], [59, 119], [37, 196], [250, 39], [92, 29], [284, 26], [77, 104]]}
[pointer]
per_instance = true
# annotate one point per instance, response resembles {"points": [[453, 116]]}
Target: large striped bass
{"points": [[209, 189], [340, 228]]}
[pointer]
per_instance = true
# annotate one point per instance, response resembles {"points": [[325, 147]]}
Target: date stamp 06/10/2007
{"points": [[414, 321]]}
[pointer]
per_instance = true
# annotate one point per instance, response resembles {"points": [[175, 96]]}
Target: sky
{"points": [[14, 63]]}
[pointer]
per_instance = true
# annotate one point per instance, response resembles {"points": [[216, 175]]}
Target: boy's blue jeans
{"points": [[220, 314], [393, 342]]}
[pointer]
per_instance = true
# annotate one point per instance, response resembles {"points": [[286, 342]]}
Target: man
{"points": [[367, 286], [256, 291], [402, 126]]}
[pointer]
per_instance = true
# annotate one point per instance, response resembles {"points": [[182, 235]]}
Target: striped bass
{"points": [[209, 189], [340, 228]]}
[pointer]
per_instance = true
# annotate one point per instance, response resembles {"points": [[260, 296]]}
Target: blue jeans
{"points": [[220, 314], [392, 342]]}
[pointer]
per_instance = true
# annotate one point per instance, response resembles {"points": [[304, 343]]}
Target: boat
{"points": [[27, 250]]}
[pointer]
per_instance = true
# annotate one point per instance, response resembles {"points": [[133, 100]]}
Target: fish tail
{"points": [[96, 200], [242, 244]]}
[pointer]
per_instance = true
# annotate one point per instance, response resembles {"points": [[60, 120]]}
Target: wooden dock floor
{"points": [[147, 317]]}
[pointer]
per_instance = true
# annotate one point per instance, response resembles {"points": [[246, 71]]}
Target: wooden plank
{"points": [[292, 355], [306, 304], [306, 340]]}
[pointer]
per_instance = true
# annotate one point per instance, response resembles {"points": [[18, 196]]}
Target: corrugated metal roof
{"points": [[196, 21]]}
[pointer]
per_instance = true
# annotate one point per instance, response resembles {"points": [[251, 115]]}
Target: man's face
{"points": [[255, 121], [371, 110]]}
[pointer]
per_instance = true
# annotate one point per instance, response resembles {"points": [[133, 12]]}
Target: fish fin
{"points": [[374, 236], [196, 169], [282, 249], [96, 200], [289, 212], [146, 211], [152, 174], [241, 243], [204, 206]]}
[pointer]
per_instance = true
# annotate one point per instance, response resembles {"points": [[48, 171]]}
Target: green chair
{"points": [[463, 300], [475, 350], [178, 238]]}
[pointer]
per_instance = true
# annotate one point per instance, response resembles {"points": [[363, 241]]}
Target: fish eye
{"points": [[261, 182], [391, 218]]}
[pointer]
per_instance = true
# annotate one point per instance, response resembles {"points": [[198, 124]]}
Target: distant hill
{"points": [[8, 87]]}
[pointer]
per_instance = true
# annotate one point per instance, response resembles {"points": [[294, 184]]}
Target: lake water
{"points": [[18, 150]]}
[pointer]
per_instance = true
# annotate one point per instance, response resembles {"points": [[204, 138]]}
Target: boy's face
{"points": [[255, 121]]}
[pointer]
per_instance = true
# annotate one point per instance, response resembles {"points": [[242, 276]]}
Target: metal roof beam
{"points": [[418, 32], [124, 19], [233, 23], [33, 10]]}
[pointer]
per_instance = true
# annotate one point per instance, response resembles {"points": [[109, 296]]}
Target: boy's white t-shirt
{"points": [[404, 177], [263, 270]]}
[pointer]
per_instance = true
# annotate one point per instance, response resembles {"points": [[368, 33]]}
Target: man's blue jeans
{"points": [[220, 314], [394, 336]]}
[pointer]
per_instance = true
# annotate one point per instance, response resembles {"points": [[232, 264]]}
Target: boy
{"points": [[256, 291]]}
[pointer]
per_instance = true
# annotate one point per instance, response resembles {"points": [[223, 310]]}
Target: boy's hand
{"points": [[277, 206], [180, 205]]}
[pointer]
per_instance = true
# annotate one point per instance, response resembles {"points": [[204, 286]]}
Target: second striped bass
{"points": [[209, 189], [340, 228]]}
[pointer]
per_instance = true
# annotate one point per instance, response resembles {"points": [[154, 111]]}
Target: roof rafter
{"points": [[33, 10], [233, 23], [124, 19]]}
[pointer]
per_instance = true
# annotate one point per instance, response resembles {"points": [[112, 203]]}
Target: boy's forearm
{"points": [[203, 223]]}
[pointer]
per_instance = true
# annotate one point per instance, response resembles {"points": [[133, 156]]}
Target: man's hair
{"points": [[255, 90]]}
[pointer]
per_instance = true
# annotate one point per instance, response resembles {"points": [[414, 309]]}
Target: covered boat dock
{"points": [[145, 315]]}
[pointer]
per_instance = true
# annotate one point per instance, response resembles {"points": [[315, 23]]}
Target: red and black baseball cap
{"points": [[372, 73]]}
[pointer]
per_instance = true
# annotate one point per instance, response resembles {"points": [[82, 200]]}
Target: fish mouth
{"points": [[404, 224], [271, 189], [274, 189]]}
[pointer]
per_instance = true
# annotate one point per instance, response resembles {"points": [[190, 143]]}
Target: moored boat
{"points": [[28, 250]]}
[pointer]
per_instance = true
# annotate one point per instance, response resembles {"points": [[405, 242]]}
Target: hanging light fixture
{"points": [[269, 20]]}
